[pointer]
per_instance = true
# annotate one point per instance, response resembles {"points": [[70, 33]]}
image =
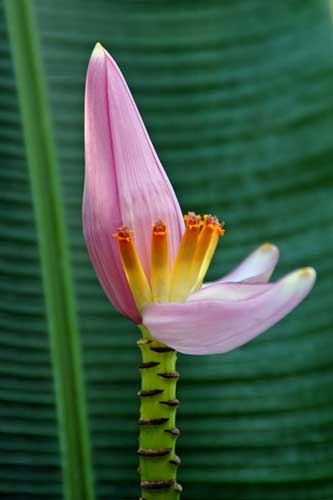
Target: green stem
{"points": [[158, 431], [53, 247]]}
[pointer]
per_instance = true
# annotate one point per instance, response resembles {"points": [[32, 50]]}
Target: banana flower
{"points": [[151, 262], [150, 266]]}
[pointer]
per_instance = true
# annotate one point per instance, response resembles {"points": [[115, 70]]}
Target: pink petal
{"points": [[229, 291], [125, 183], [216, 326], [256, 267]]}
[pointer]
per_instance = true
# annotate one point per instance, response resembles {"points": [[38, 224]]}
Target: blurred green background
{"points": [[237, 96]]}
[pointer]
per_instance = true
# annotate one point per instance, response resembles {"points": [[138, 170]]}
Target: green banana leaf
{"points": [[237, 97]]}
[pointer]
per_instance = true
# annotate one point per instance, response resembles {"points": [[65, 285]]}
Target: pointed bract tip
{"points": [[98, 50]]}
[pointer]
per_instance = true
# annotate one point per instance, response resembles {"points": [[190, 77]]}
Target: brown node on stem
{"points": [[162, 349], [152, 421], [174, 431], [175, 460], [170, 402], [169, 375], [150, 453], [149, 364], [157, 485], [153, 392]]}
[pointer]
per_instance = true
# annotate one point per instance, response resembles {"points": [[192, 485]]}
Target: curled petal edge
{"points": [[218, 326], [257, 267]]}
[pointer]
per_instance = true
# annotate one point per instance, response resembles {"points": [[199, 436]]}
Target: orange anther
{"points": [[123, 233], [213, 222], [159, 227], [192, 220], [132, 267]]}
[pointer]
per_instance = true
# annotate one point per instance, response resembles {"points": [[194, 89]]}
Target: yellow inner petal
{"points": [[205, 250], [132, 266], [180, 277], [160, 272]]}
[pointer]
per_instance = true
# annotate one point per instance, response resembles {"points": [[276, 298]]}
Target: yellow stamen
{"points": [[160, 273], [195, 253], [180, 277], [132, 266], [205, 250]]}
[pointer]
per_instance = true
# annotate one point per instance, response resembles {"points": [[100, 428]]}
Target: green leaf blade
{"points": [[59, 298], [237, 98]]}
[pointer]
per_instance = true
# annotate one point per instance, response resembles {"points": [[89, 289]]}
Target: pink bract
{"points": [[125, 183]]}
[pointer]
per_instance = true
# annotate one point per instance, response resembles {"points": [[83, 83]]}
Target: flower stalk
{"points": [[158, 432]]}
